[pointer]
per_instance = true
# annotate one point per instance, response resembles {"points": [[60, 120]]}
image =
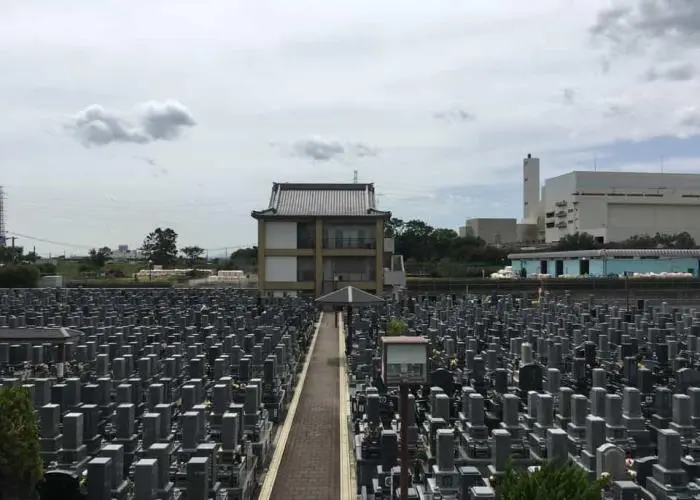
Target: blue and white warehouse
{"points": [[612, 262]]}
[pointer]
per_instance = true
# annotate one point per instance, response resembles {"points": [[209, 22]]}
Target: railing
{"points": [[679, 290], [350, 277], [342, 243]]}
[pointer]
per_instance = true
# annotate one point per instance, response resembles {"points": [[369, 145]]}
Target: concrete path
{"points": [[313, 444]]}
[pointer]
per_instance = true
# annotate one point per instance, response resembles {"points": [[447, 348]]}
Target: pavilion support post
{"points": [[350, 332], [403, 404]]}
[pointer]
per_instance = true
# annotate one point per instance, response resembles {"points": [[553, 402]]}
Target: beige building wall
{"points": [[494, 231]]}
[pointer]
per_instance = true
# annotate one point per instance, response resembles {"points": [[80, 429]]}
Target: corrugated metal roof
{"points": [[33, 334], [350, 295], [677, 253], [318, 200]]}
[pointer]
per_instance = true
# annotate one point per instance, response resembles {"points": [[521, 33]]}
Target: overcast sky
{"points": [[120, 116]]}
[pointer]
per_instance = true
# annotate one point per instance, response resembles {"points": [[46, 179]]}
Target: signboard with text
{"points": [[404, 360]]}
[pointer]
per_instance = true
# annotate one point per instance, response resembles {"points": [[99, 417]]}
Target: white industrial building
{"points": [[613, 206], [497, 231], [492, 231]]}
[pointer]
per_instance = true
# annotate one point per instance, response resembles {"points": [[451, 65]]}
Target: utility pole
{"points": [[14, 255]]}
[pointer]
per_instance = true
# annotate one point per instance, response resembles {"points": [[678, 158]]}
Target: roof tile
{"points": [[353, 200]]}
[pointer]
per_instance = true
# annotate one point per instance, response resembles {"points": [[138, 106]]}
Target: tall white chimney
{"points": [[531, 189]]}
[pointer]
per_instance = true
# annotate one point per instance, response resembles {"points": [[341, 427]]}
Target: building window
{"points": [[306, 268], [349, 269], [349, 237], [306, 235]]}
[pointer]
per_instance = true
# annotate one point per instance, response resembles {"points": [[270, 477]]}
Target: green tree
{"points": [[193, 255], [160, 247], [552, 481], [48, 268], [393, 227], [395, 327], [20, 461], [586, 241], [245, 259], [11, 255], [577, 241], [99, 257], [19, 276], [31, 257], [442, 252]]}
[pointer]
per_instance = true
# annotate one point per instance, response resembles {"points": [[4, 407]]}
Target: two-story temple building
{"points": [[315, 238]]}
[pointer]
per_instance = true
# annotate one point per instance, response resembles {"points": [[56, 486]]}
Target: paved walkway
{"points": [[310, 464]]}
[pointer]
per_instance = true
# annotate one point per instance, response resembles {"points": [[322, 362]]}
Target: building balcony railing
{"points": [[340, 277], [349, 243]]}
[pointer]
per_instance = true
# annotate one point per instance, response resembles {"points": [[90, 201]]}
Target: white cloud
{"points": [[349, 84]]}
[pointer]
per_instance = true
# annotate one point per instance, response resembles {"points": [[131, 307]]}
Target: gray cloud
{"points": [[320, 149], [628, 23], [569, 96], [454, 115], [361, 150], [150, 161], [677, 73], [612, 108], [690, 118], [152, 121]]}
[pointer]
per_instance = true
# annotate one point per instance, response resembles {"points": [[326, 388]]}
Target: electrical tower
{"points": [[3, 233]]}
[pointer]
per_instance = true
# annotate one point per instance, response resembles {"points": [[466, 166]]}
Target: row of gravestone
{"points": [[162, 392], [560, 379]]}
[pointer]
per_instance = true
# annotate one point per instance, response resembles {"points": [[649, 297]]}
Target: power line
{"points": [[51, 242], [89, 247]]}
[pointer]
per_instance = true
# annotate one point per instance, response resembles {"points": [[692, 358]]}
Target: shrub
{"points": [[395, 327], [20, 461], [47, 268], [20, 276], [550, 482]]}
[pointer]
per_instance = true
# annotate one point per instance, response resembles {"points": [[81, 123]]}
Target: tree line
{"points": [[586, 241], [442, 252], [160, 248], [427, 251]]}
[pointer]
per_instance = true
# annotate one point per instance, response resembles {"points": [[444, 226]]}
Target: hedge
{"points": [[20, 276]]}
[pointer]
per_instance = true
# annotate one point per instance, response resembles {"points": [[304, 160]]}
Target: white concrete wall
{"points": [[280, 235], [494, 230], [617, 205], [531, 189], [626, 220], [281, 269]]}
